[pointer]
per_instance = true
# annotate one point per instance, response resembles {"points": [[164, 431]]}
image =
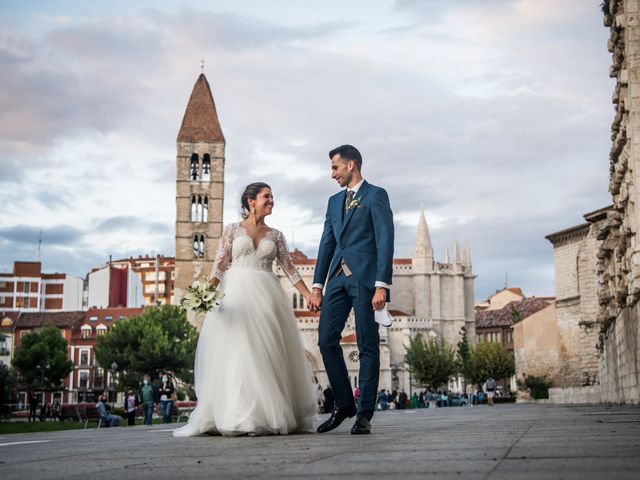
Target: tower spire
{"points": [[423, 239], [456, 252], [200, 122], [422, 260]]}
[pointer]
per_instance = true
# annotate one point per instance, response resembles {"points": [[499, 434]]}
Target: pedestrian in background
{"points": [[106, 417], [131, 403], [147, 394], [167, 393], [33, 406], [491, 390]]}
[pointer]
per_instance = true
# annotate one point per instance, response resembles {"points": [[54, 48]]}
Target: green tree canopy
{"points": [[8, 391], [432, 362], [491, 359], [160, 340], [42, 359]]}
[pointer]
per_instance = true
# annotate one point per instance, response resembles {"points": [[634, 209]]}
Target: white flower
{"points": [[354, 203]]}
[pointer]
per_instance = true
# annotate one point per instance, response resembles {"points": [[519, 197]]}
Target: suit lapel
{"points": [[362, 192], [338, 211]]}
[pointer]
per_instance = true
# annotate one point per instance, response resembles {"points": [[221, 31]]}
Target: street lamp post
{"points": [[114, 368]]}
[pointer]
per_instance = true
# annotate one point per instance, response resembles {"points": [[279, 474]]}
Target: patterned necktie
{"points": [[350, 195]]}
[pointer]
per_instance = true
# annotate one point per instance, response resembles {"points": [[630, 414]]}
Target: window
{"points": [[194, 209], [198, 246], [83, 379], [2, 300], [205, 209], [3, 284], [93, 319], [194, 167], [84, 357], [108, 318], [508, 336], [85, 331], [101, 330], [27, 287], [480, 337], [295, 301], [206, 167], [121, 317]]}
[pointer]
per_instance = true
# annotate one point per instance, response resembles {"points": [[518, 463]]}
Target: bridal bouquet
{"points": [[201, 296]]}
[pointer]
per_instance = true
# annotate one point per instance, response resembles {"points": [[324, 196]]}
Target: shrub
{"points": [[538, 387]]}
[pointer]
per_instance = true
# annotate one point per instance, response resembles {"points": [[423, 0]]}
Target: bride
{"points": [[251, 372]]}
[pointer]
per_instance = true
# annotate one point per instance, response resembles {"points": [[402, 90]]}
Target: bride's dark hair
{"points": [[250, 192]]}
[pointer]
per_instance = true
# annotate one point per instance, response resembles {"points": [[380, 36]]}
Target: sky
{"points": [[495, 116]]}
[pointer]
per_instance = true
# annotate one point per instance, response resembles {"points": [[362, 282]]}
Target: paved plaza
{"points": [[507, 441]]}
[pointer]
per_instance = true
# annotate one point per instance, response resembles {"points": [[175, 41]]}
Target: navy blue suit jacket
{"points": [[363, 237]]}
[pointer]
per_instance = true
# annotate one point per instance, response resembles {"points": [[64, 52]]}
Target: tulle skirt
{"points": [[251, 371]]}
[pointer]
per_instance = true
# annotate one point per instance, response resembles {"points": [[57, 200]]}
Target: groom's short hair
{"points": [[347, 152]]}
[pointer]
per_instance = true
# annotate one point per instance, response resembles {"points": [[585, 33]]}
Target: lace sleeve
{"points": [[284, 259], [223, 257]]}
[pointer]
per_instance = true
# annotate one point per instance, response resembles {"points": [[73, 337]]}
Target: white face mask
{"points": [[164, 379], [146, 382]]}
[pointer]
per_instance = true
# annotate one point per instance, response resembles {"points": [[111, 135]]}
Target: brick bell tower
{"points": [[199, 188]]}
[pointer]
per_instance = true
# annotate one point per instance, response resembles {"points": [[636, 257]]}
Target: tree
{"points": [[432, 362], [158, 341], [491, 359], [41, 359], [463, 356], [8, 389]]}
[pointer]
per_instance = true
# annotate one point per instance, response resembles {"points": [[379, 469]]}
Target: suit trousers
{"points": [[341, 295]]}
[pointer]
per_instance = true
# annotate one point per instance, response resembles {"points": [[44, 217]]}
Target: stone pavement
{"points": [[520, 441]]}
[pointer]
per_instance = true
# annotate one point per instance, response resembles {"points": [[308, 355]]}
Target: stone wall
{"points": [[574, 252], [619, 255], [535, 345]]}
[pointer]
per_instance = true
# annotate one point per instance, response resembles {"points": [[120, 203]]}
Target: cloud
{"points": [[503, 136]]}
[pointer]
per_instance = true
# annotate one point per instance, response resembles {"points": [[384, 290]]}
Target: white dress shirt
{"points": [[355, 189]]}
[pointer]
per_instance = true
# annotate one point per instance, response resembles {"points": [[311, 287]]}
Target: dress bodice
{"points": [[237, 249]]}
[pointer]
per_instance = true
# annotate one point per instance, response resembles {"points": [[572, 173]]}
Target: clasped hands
{"points": [[314, 300]]}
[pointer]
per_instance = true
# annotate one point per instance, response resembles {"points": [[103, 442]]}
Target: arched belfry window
{"points": [[199, 209], [198, 246], [194, 212], [193, 170], [206, 167], [295, 301], [205, 209]]}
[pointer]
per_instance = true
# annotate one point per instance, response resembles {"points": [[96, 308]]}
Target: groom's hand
{"points": [[379, 298], [315, 300]]}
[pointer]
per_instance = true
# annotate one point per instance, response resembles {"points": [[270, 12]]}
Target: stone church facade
{"points": [[430, 298], [618, 263]]}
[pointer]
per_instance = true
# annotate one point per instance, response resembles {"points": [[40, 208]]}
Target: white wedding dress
{"points": [[251, 371]]}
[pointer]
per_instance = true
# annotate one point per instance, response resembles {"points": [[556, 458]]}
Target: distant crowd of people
{"points": [[390, 400], [473, 395], [149, 398]]}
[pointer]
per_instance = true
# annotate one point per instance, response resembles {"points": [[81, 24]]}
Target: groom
{"points": [[354, 264]]}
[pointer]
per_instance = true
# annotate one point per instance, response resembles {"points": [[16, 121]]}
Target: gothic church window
{"points": [[194, 167], [206, 167], [205, 209], [193, 209]]}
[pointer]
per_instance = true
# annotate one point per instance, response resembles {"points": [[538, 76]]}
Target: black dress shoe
{"points": [[338, 416], [362, 426]]}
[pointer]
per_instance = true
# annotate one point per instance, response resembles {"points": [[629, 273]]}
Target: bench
{"points": [[182, 409], [89, 413]]}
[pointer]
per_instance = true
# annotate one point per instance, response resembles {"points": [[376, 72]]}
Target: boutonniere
{"points": [[354, 203]]}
